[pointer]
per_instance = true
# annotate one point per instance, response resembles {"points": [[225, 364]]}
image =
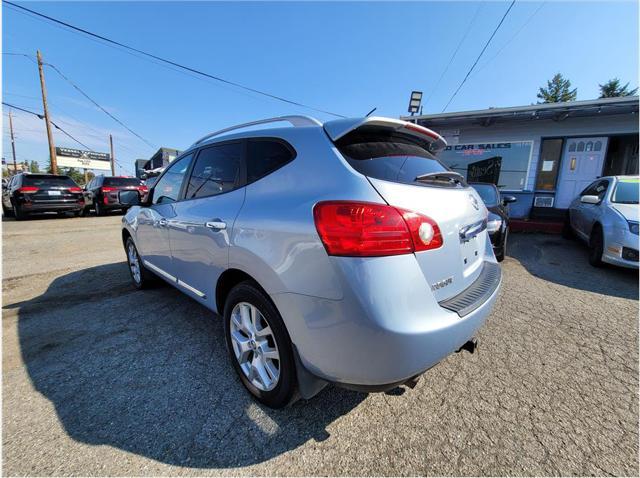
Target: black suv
{"points": [[26, 193], [101, 194], [498, 220]]}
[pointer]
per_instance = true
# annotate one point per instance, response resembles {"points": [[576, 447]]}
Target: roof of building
{"points": [[550, 111]]}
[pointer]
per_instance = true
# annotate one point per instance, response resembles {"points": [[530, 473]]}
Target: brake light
{"points": [[28, 189], [363, 229], [422, 130], [75, 189], [143, 188], [107, 189]]}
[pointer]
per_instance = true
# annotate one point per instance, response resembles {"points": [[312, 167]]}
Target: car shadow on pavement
{"points": [[566, 262], [147, 372]]}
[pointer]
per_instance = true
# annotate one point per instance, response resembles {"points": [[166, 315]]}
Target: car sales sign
{"points": [[76, 158]]}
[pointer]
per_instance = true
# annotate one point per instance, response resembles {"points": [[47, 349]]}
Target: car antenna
{"points": [[370, 112]]}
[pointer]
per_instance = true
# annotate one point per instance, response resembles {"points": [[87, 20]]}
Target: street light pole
{"points": [[52, 148]]}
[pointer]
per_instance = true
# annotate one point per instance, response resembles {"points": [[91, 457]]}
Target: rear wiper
{"points": [[450, 176]]}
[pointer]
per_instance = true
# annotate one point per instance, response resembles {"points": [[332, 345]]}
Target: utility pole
{"points": [[13, 144], [52, 148], [113, 159]]}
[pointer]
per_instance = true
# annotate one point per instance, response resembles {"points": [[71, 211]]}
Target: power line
{"points": [[100, 107], [484, 65], [479, 56], [55, 125], [170, 62], [63, 131], [464, 37]]}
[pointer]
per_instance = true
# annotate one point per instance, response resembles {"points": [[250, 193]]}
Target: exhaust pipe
{"points": [[469, 346]]}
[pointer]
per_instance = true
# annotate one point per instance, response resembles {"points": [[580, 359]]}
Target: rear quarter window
{"points": [[391, 156], [264, 156]]}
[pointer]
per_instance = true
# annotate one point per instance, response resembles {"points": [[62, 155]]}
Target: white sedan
{"points": [[605, 216]]}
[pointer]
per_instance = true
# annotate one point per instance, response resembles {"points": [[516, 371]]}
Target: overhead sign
{"points": [[77, 158]]}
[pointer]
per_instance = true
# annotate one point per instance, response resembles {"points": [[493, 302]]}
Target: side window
{"points": [[601, 189], [265, 156], [590, 189], [167, 189], [217, 170]]}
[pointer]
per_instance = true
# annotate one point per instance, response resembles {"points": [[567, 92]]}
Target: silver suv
{"points": [[341, 252]]}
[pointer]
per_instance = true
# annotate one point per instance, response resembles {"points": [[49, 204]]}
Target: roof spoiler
{"points": [[336, 129]]}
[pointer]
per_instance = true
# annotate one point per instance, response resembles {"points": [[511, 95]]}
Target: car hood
{"points": [[629, 211]]}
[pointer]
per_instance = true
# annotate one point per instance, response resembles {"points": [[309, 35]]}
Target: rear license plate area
{"points": [[55, 193]]}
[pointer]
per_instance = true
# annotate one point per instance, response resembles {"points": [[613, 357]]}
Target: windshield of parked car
{"points": [[488, 193], [122, 182], [48, 181], [392, 156], [626, 192]]}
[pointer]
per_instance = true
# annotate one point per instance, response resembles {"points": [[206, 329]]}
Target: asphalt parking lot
{"points": [[101, 379]]}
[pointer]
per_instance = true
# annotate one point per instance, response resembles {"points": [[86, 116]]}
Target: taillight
{"points": [[143, 188], [28, 189], [363, 229], [107, 189], [75, 189]]}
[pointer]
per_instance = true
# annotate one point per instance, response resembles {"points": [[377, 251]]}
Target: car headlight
{"points": [[494, 224], [633, 227]]}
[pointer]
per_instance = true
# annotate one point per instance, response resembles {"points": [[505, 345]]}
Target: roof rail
{"points": [[295, 120]]}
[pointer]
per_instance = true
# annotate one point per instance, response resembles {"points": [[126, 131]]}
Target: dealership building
{"points": [[543, 154]]}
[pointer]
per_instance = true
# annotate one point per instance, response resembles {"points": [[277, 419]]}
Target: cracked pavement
{"points": [[101, 379]]}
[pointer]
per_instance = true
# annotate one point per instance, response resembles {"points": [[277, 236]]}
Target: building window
{"points": [[550, 153], [581, 146], [597, 146], [589, 146], [572, 147], [504, 164]]}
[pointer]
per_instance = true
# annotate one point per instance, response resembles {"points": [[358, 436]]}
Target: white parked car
{"points": [[605, 216]]}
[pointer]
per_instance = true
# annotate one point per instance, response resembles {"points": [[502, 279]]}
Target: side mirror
{"points": [[143, 176], [509, 199], [589, 199], [129, 198]]}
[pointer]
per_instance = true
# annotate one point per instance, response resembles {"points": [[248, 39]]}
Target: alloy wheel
{"points": [[134, 263], [254, 346]]}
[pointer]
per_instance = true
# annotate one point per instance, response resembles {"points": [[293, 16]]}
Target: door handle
{"points": [[162, 222], [216, 225]]}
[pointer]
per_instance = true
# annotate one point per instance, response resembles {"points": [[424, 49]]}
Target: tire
{"points": [[99, 209], [82, 212], [503, 248], [596, 247], [6, 212], [567, 231], [271, 380], [144, 278], [18, 213]]}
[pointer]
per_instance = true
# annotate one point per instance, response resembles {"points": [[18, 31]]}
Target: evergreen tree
{"points": [[558, 90], [612, 89]]}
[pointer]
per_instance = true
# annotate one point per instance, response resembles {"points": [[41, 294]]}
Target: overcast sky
{"points": [[346, 58]]}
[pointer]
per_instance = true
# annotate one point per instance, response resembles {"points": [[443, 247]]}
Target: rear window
{"points": [[49, 181], [122, 182], [392, 156]]}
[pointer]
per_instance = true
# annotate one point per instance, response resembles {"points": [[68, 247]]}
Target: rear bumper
{"points": [[51, 206], [381, 337]]}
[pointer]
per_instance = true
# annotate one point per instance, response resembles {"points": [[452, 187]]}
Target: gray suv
{"points": [[342, 252]]}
